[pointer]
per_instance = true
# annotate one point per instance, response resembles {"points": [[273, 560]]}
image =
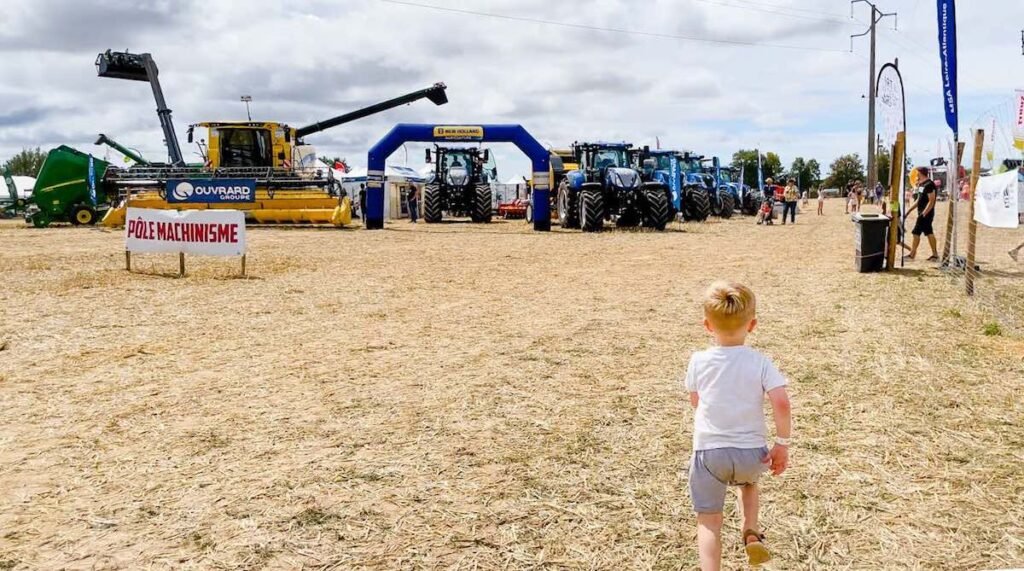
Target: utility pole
{"points": [[876, 17]]}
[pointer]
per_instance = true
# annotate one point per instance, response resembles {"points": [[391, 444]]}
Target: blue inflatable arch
{"points": [[406, 132]]}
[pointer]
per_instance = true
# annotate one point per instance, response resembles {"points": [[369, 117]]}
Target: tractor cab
{"points": [[599, 157], [242, 144], [457, 166]]}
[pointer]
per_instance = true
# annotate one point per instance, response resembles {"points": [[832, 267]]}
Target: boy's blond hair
{"points": [[729, 305]]}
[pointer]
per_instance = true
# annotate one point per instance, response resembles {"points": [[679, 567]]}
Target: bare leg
{"points": [[914, 244], [933, 243], [709, 541], [751, 503], [1014, 252]]}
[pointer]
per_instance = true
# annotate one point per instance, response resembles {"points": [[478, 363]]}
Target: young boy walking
{"points": [[727, 385]]}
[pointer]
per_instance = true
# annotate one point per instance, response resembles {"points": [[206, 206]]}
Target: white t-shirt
{"points": [[731, 383]]}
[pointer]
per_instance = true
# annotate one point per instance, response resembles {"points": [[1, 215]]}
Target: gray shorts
{"points": [[713, 471]]}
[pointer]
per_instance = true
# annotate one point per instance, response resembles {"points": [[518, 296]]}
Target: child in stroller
{"points": [[767, 213]]}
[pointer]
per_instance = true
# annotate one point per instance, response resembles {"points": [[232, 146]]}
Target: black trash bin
{"points": [[872, 237]]}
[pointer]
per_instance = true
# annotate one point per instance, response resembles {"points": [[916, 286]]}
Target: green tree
{"points": [[883, 161], [845, 169], [807, 173], [771, 165], [26, 163]]}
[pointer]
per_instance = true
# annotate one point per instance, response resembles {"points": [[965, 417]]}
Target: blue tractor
{"points": [[605, 186], [688, 197], [722, 202], [745, 199]]}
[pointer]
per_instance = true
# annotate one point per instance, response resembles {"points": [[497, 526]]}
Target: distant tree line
{"points": [[26, 163]]}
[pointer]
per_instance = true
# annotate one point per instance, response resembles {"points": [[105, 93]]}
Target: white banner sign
{"points": [[204, 232], [996, 200]]}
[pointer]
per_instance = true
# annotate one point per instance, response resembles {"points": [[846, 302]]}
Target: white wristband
{"points": [[782, 441]]}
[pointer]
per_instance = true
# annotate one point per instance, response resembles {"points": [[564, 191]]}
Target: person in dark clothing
{"points": [[925, 205], [414, 198], [362, 201]]}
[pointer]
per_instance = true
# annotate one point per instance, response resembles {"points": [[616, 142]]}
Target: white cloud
{"points": [[311, 59]]}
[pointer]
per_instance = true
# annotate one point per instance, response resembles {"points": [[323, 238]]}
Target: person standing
{"points": [[414, 200], [789, 197], [879, 190], [925, 204], [821, 202], [362, 201]]}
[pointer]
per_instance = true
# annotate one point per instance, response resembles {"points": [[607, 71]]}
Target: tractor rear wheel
{"points": [[727, 204], [432, 203], [696, 204], [656, 208], [83, 215], [592, 210], [568, 209], [483, 205]]}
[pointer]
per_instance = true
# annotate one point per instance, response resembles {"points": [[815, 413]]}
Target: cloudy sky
{"points": [[709, 75]]}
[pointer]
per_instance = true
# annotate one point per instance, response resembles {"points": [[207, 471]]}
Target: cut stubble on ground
{"points": [[461, 396]]}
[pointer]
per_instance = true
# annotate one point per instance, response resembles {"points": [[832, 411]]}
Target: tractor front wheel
{"points": [[432, 204], [727, 204], [656, 208], [696, 204], [591, 210], [751, 204], [568, 209], [483, 207]]}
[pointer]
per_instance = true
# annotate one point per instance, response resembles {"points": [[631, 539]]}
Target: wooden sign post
{"points": [[897, 172], [972, 229]]}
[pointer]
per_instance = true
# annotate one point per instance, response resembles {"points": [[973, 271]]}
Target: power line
{"points": [[607, 29], [792, 8], [786, 14]]}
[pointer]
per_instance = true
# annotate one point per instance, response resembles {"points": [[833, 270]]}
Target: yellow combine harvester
{"points": [[261, 168]]}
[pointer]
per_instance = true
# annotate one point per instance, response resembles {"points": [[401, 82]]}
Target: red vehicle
{"points": [[515, 210]]}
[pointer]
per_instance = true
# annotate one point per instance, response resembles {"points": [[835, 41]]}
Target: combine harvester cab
{"points": [[263, 168], [605, 186], [460, 185], [67, 189]]}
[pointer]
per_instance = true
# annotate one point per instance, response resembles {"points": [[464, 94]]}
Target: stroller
{"points": [[766, 215]]}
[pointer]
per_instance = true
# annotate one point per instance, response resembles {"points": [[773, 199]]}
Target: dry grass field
{"points": [[467, 397]]}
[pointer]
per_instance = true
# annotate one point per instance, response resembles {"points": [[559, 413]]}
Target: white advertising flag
{"points": [[996, 200], [1018, 127], [202, 232]]}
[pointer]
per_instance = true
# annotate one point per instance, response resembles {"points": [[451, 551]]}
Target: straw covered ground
{"points": [[466, 397]]}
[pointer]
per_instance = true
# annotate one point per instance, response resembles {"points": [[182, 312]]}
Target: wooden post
{"points": [[128, 260], [954, 195], [896, 172], [243, 265], [181, 264], [972, 228]]}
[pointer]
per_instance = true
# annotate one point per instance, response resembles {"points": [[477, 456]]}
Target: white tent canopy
{"points": [[23, 184], [391, 172]]}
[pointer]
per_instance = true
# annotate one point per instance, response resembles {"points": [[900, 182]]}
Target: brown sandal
{"points": [[757, 553]]}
